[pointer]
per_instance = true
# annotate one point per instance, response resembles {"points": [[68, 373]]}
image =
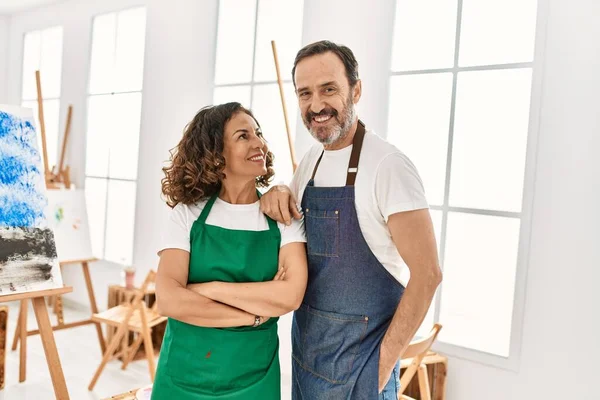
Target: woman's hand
{"points": [[280, 274]]}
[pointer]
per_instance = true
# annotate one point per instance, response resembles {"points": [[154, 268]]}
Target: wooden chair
{"points": [[130, 317], [412, 360]]}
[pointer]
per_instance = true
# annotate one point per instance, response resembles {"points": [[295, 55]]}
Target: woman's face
{"points": [[244, 150]]}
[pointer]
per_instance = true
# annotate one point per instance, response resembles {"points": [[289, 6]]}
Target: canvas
{"points": [[28, 259], [67, 216]]}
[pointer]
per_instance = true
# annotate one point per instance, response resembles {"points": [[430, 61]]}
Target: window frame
{"points": [[252, 83], [108, 179], [512, 362]]}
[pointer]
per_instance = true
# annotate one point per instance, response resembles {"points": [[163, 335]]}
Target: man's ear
{"points": [[357, 91]]}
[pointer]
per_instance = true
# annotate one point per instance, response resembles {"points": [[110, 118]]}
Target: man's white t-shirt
{"points": [[387, 182], [246, 217]]}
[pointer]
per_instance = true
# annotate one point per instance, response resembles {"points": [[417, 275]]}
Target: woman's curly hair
{"points": [[196, 163]]}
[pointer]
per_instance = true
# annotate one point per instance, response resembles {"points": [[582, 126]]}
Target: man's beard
{"points": [[332, 134]]}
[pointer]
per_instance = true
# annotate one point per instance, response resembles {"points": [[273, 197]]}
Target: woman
{"points": [[226, 271]]}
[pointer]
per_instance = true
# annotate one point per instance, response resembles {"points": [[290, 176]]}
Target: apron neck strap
{"points": [[208, 207], [357, 142]]}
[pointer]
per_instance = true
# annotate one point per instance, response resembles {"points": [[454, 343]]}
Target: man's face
{"points": [[325, 98]]}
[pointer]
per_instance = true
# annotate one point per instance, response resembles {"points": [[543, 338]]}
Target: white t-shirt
{"points": [[247, 217], [387, 182]]}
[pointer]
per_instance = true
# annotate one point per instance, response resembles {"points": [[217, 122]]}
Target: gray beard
{"points": [[339, 133]]}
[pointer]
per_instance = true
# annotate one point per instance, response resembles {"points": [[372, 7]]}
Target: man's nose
{"points": [[316, 105]]}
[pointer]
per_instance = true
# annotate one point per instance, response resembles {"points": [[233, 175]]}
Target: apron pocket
{"points": [[324, 228], [327, 343], [213, 361], [190, 362]]}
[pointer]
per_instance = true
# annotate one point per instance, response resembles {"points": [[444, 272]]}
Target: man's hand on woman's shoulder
{"points": [[279, 204]]}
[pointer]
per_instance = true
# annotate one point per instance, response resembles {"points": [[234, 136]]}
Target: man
{"points": [[367, 225]]}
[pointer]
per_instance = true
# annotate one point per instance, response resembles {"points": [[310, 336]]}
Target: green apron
{"points": [[223, 363]]}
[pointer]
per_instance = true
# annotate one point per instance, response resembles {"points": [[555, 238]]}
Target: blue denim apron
{"points": [[349, 302]]}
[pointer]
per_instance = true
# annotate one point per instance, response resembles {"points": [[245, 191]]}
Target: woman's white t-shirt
{"points": [[246, 217]]}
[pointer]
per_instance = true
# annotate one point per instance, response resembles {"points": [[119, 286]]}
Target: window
{"points": [[113, 128], [42, 51], [245, 69], [460, 88]]}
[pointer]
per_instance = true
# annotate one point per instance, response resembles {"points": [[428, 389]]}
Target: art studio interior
{"points": [[126, 125]]}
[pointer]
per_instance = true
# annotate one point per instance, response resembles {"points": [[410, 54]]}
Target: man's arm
{"points": [[412, 232], [176, 301]]}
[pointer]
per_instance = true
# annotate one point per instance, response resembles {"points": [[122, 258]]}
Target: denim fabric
{"points": [[349, 303], [390, 391]]}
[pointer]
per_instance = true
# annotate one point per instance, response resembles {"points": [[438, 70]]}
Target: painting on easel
{"points": [[28, 258], [67, 216]]}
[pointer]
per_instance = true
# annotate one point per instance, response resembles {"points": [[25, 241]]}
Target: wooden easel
{"points": [[285, 115], [60, 175], [22, 326], [46, 333]]}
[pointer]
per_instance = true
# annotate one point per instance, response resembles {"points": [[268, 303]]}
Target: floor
{"points": [[80, 355]]}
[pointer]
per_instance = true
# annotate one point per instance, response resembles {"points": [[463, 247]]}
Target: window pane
{"points": [[424, 34], [497, 32], [226, 94], [131, 32], [95, 196], [490, 139], [51, 119], [99, 134], [418, 125], [280, 21], [235, 41], [125, 132], [113, 135], [120, 218], [31, 62], [479, 281], [103, 53], [51, 62], [267, 108]]}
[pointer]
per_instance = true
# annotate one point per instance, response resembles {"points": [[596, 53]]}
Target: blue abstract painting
{"points": [[28, 259]]}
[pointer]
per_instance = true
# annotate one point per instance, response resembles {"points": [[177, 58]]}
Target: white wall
{"points": [[561, 319], [4, 25], [178, 81]]}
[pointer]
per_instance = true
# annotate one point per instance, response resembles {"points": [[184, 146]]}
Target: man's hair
{"points": [[323, 46]]}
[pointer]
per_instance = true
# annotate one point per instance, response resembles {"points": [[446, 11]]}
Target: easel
{"points": [[21, 331], [58, 175], [46, 333], [285, 116], [54, 180]]}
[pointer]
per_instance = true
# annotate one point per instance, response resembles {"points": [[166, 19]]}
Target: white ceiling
{"points": [[8, 7]]}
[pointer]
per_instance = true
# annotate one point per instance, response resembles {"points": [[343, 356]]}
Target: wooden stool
{"points": [[118, 295], [134, 317], [437, 369]]}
